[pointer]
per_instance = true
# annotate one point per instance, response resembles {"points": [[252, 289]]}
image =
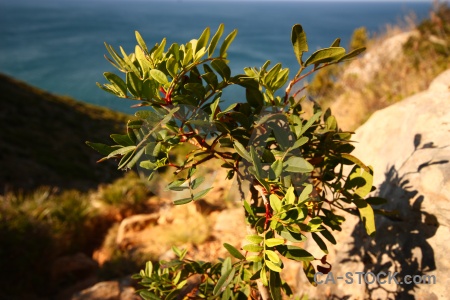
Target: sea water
{"points": [[58, 45]]}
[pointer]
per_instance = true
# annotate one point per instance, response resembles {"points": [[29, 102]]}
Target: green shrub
{"points": [[291, 166]]}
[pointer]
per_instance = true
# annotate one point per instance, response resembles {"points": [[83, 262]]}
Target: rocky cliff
{"points": [[408, 144]]}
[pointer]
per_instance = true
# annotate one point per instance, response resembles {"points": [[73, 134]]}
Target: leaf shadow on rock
{"points": [[400, 244]]}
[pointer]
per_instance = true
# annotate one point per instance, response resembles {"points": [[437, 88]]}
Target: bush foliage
{"points": [[298, 170]]}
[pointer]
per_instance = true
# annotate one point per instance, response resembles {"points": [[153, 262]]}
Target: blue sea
{"points": [[58, 45]]}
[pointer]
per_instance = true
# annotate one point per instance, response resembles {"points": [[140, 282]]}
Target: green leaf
{"points": [[226, 43], [356, 161], [132, 160], [148, 295], [202, 40], [307, 190], [252, 248], [223, 281], [273, 266], [326, 234], [101, 148], [295, 253], [325, 55], [352, 54], [367, 216], [297, 165], [320, 242], [254, 258], [201, 194], [336, 43], [254, 97], [241, 151], [300, 142], [117, 82], [233, 251], [298, 39], [292, 236], [310, 122], [215, 39], [221, 68], [121, 151], [148, 269], [141, 42], [256, 163], [122, 139], [134, 84], [182, 201], [290, 196], [172, 67], [277, 168], [308, 268], [275, 285], [159, 76], [273, 257], [197, 182], [263, 277], [275, 202], [274, 242], [254, 238]]}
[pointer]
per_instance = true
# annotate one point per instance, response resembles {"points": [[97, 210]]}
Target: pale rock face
{"points": [[408, 145]]}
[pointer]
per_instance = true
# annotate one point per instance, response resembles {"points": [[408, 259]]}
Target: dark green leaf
{"points": [[376, 200], [298, 39], [292, 236], [295, 253], [254, 97], [319, 242], [122, 139], [275, 285], [326, 234], [148, 295], [221, 68], [101, 148]]}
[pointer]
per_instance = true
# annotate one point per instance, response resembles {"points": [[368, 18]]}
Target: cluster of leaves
{"points": [[293, 166]]}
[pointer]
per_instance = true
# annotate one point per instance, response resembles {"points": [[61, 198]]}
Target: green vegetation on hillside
{"points": [[424, 55], [42, 139]]}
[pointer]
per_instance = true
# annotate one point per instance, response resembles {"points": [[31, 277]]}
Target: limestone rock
{"points": [[408, 144], [106, 290], [133, 224]]}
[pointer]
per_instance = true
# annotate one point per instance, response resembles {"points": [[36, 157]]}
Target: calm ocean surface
{"points": [[58, 45]]}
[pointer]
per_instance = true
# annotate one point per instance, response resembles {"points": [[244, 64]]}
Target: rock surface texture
{"points": [[408, 144]]}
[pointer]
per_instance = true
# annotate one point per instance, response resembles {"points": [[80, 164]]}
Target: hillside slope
{"points": [[43, 139]]}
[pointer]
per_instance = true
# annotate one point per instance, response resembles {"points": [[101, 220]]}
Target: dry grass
{"points": [[388, 73]]}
